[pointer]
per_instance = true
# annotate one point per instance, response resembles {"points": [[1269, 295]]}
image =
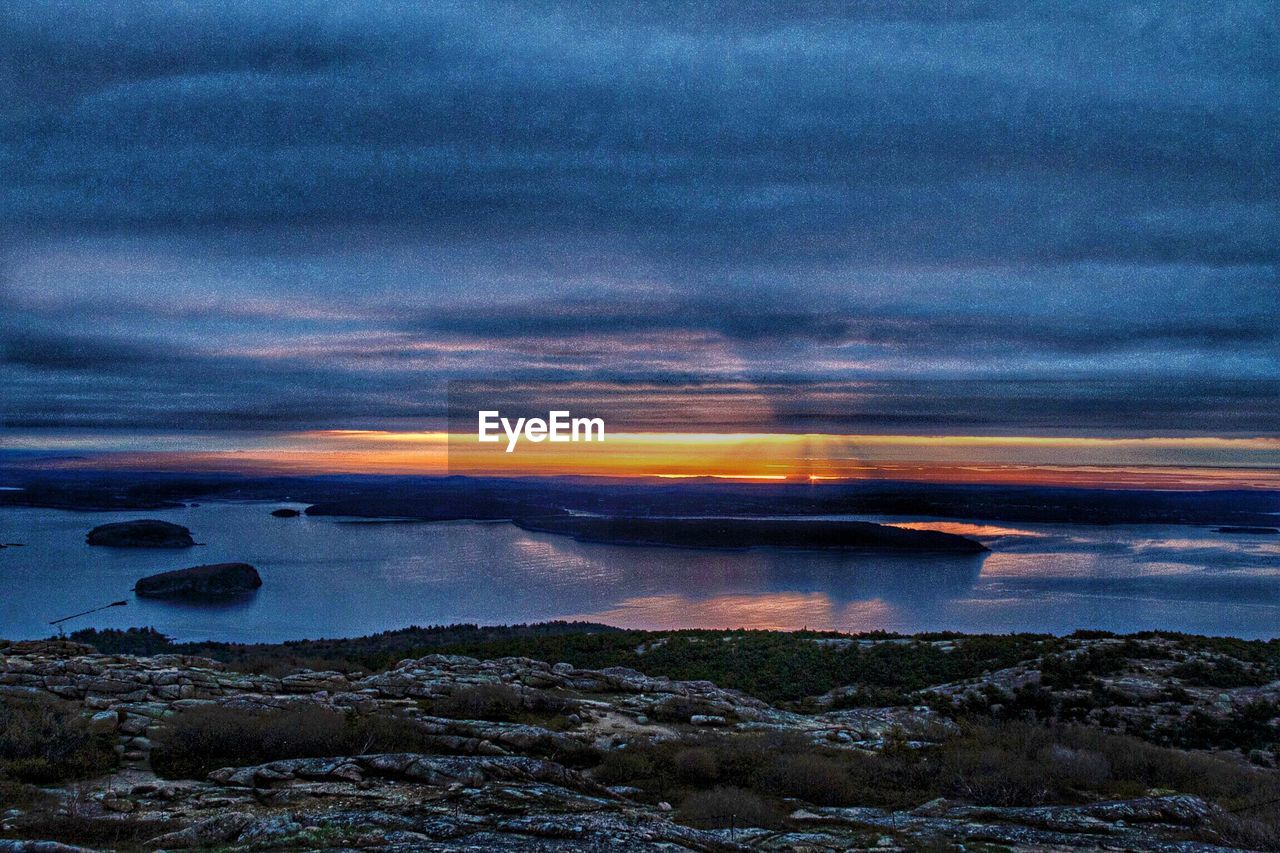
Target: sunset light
{"points": [[1150, 462]]}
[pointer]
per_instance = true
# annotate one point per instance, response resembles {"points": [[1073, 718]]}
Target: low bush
{"points": [[727, 808], [628, 767], [696, 765], [1256, 831], [1065, 671], [1220, 672], [999, 764], [44, 740], [131, 641], [15, 794], [1013, 765], [871, 697], [816, 778], [499, 703], [200, 740], [678, 709], [110, 833], [492, 702], [1250, 727]]}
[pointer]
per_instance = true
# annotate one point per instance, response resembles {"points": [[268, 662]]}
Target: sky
{"points": [[909, 218]]}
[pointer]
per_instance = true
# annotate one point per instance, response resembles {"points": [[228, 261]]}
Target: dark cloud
{"points": [[264, 213], [63, 352], [928, 332], [990, 133]]}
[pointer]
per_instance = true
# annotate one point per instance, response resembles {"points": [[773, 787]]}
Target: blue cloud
{"points": [[324, 205]]}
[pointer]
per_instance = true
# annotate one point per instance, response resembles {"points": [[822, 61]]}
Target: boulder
{"points": [[144, 533], [104, 722], [216, 580], [216, 830]]}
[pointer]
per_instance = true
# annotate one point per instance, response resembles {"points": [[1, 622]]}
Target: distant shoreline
{"points": [[750, 533], [504, 499]]}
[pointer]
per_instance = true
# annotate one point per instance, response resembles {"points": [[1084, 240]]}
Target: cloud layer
{"points": [[988, 217]]}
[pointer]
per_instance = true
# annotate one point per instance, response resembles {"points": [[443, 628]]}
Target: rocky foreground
{"points": [[479, 784]]}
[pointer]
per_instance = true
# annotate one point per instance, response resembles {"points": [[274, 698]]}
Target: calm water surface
{"points": [[326, 577]]}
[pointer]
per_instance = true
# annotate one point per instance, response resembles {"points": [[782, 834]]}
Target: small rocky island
{"points": [[285, 512], [1248, 530], [737, 533], [144, 533], [216, 580]]}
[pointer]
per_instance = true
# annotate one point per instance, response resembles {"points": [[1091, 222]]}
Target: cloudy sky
{"points": [[899, 217]]}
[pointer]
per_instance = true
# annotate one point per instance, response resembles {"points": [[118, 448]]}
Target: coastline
{"points": [[348, 576]]}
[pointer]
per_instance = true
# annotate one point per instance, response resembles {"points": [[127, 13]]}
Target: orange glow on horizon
{"points": [[1146, 462]]}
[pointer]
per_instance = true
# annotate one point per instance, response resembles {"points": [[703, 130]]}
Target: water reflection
{"points": [[917, 581], [773, 590], [968, 528], [225, 604]]}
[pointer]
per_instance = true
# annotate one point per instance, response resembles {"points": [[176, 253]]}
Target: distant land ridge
{"points": [[749, 533]]}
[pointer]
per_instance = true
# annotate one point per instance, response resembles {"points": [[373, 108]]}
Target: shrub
{"points": [[865, 696], [772, 764], [724, 807], [696, 765], [132, 641], [492, 702], [110, 833], [1220, 672], [812, 777], [625, 767], [988, 763], [997, 773], [1247, 832], [14, 794], [1081, 669], [678, 709], [1082, 768], [742, 759], [1025, 764], [1246, 728], [1089, 634], [44, 740], [203, 739]]}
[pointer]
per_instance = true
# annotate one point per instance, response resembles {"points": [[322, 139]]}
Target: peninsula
{"points": [[737, 533]]}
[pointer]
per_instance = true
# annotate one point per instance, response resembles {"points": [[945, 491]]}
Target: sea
{"points": [[345, 577]]}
